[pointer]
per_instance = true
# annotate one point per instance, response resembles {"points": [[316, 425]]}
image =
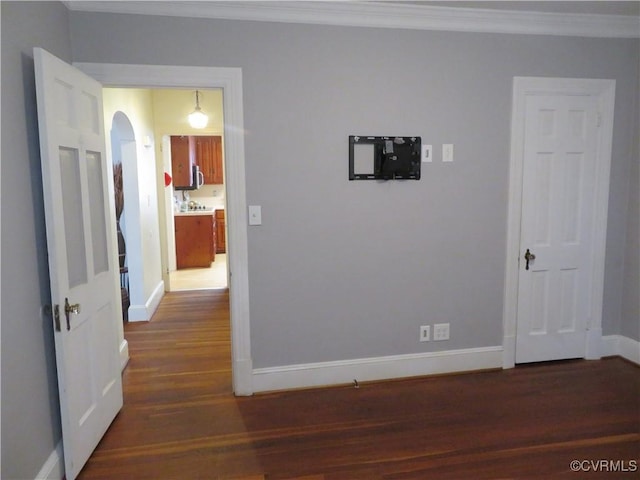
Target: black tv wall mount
{"points": [[384, 158]]}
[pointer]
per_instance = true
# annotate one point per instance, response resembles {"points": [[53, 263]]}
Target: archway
{"points": [[123, 151]]}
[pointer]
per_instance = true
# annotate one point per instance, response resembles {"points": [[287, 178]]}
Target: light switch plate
{"points": [[255, 215], [427, 153], [447, 152]]}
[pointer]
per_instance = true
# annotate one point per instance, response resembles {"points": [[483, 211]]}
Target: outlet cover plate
{"points": [[255, 215], [440, 331], [447, 152]]}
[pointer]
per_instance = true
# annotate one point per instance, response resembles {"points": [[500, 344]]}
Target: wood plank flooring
{"points": [[181, 421]]}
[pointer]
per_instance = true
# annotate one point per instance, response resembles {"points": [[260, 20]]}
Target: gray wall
{"points": [[630, 318], [30, 411], [343, 269]]}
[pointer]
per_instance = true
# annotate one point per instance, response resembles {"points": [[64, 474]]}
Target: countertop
{"points": [[207, 211]]}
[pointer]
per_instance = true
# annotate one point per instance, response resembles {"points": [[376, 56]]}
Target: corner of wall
{"points": [[618, 345], [53, 468], [143, 313]]}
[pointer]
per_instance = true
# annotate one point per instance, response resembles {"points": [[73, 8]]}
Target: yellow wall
{"points": [[141, 226], [171, 108]]}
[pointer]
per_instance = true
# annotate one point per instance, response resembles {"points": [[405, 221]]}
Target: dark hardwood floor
{"points": [[181, 421]]}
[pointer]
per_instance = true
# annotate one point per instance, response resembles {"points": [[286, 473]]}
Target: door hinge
{"points": [[598, 119], [55, 312]]}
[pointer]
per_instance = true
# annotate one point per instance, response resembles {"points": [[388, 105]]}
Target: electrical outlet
{"points": [[440, 331], [425, 333]]}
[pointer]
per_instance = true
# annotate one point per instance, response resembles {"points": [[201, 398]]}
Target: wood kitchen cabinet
{"points": [[221, 243], [195, 240], [182, 160], [214, 239], [208, 154]]}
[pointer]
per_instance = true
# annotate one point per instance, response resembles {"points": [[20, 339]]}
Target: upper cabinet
{"points": [[208, 155], [203, 151], [182, 160]]}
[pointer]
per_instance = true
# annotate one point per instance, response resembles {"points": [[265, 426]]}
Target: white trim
{"points": [[124, 354], [610, 345], [604, 90], [623, 346], [230, 80], [143, 313], [53, 468], [386, 15], [508, 347], [379, 368], [593, 344]]}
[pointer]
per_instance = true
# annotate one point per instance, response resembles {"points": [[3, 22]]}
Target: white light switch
{"points": [[255, 215], [447, 152], [427, 153]]}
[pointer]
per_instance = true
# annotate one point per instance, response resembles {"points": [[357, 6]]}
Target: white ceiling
{"points": [[615, 19]]}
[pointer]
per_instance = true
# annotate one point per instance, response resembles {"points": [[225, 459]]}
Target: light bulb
{"points": [[197, 119]]}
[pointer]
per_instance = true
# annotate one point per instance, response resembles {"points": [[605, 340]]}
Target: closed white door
{"points": [[556, 254], [83, 268]]}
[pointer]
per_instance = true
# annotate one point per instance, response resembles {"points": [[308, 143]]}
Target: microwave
{"points": [[197, 180]]}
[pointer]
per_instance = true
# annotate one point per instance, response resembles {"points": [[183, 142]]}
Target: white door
{"points": [[83, 267], [556, 261]]}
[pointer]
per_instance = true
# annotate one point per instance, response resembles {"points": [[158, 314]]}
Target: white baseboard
{"points": [[379, 368], [143, 313], [593, 347], [623, 346], [242, 377], [124, 354], [53, 468], [509, 351]]}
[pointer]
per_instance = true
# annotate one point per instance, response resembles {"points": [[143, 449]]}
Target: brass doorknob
{"points": [[528, 256], [71, 308]]}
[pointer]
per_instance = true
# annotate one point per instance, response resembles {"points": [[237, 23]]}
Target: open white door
{"points": [[81, 241]]}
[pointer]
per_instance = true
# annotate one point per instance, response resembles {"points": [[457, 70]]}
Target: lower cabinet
{"points": [[195, 240], [221, 244]]}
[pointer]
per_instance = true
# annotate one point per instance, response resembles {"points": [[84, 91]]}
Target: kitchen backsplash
{"points": [[211, 196]]}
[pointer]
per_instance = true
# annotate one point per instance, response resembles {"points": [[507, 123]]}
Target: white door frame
{"points": [[604, 91], [230, 80]]}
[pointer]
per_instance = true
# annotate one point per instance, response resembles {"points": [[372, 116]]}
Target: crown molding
{"points": [[383, 15]]}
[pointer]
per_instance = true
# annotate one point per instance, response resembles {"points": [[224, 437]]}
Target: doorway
{"points": [[171, 108], [552, 175], [230, 81]]}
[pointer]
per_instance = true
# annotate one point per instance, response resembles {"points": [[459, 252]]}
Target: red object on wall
{"points": [[167, 179]]}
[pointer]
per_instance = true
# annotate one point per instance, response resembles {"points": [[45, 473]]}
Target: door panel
{"points": [[71, 189], [97, 213], [557, 211], [83, 268]]}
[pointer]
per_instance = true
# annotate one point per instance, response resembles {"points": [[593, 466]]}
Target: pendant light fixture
{"points": [[198, 119]]}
